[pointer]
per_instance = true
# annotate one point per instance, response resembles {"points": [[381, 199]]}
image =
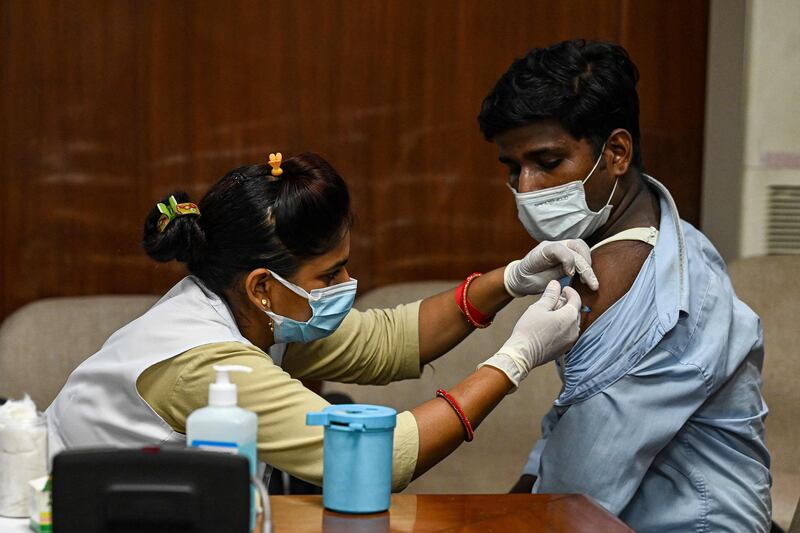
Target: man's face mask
{"points": [[329, 306], [561, 212]]}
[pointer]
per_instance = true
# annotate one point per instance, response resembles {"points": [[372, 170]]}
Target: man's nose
{"points": [[527, 182]]}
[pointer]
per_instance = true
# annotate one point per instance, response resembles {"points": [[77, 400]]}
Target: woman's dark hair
{"points": [[250, 219], [588, 87]]}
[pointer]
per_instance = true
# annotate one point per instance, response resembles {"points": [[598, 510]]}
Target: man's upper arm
{"points": [[374, 347], [604, 445], [616, 265]]}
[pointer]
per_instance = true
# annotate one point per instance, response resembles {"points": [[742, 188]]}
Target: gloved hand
{"points": [[545, 331], [546, 262]]}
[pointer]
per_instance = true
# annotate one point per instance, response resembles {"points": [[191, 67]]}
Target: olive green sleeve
{"points": [[176, 387], [372, 347]]}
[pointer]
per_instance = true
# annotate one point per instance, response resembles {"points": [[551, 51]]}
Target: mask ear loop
{"points": [[616, 181], [595, 164], [300, 291], [613, 190]]}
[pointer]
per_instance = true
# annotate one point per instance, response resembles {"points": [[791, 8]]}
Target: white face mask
{"points": [[561, 212]]}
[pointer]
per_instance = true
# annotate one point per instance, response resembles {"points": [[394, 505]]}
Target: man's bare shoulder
{"points": [[616, 265]]}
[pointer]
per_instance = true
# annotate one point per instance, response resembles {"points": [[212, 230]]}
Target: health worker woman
{"points": [[267, 249]]}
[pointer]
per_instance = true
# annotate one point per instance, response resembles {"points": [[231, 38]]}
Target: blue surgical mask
{"points": [[561, 212], [329, 306]]}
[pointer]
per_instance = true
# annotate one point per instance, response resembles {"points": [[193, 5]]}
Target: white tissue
{"points": [[23, 454]]}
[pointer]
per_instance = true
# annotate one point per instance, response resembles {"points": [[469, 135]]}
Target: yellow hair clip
{"points": [[275, 162]]}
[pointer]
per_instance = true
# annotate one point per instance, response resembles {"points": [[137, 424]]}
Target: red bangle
{"points": [[473, 315], [441, 393]]}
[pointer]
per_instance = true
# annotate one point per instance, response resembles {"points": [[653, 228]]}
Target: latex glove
{"points": [[545, 331], [549, 261]]}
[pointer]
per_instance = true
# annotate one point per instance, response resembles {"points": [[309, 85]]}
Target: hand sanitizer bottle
{"points": [[223, 426]]}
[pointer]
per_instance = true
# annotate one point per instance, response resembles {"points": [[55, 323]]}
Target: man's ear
{"points": [[257, 286], [620, 143]]}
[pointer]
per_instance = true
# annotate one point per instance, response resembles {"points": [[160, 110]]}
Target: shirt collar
{"points": [[672, 273]]}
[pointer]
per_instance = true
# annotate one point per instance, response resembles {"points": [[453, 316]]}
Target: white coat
{"points": [[100, 404]]}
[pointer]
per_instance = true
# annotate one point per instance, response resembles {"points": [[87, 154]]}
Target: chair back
{"points": [[771, 287], [44, 341], [795, 526]]}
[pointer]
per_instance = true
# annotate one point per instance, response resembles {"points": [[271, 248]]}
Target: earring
{"points": [[266, 303]]}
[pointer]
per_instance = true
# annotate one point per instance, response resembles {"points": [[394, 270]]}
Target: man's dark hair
{"points": [[588, 87]]}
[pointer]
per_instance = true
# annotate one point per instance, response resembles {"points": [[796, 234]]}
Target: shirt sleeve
{"points": [[604, 445], [372, 347], [176, 387]]}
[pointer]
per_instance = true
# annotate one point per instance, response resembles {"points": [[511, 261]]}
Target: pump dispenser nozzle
{"points": [[223, 392]]}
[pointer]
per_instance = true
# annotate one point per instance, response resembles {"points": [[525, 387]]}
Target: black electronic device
{"points": [[150, 490]]}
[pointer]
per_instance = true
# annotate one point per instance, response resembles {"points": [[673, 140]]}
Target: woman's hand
{"points": [[441, 323], [549, 261], [545, 331]]}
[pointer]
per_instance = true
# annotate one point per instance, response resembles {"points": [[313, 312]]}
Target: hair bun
{"points": [[183, 239]]}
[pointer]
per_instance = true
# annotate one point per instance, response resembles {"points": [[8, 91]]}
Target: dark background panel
{"points": [[108, 106], [668, 41]]}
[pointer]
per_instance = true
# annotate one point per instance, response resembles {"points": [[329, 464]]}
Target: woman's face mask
{"points": [[329, 306], [562, 212]]}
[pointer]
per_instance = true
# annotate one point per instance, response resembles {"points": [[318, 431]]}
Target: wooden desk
{"points": [[487, 513]]}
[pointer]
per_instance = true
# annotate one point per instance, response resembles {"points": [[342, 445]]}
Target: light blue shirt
{"points": [[661, 417]]}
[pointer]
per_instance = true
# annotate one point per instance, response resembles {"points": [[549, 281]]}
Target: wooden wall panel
{"points": [[107, 106], [668, 41]]}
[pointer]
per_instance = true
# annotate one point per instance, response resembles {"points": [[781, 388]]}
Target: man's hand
{"points": [[524, 484], [549, 261]]}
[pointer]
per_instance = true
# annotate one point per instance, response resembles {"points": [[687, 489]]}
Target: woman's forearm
{"points": [[440, 429], [441, 323]]}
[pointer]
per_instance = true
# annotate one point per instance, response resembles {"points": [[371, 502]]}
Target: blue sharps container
{"points": [[357, 456]]}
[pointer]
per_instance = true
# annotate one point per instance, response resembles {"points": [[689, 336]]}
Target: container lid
{"points": [[355, 414]]}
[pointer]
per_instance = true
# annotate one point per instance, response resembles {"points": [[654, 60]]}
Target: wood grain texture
{"points": [[108, 106], [428, 513]]}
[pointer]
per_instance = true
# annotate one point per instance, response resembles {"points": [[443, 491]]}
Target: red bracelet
{"points": [[470, 312], [441, 393]]}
